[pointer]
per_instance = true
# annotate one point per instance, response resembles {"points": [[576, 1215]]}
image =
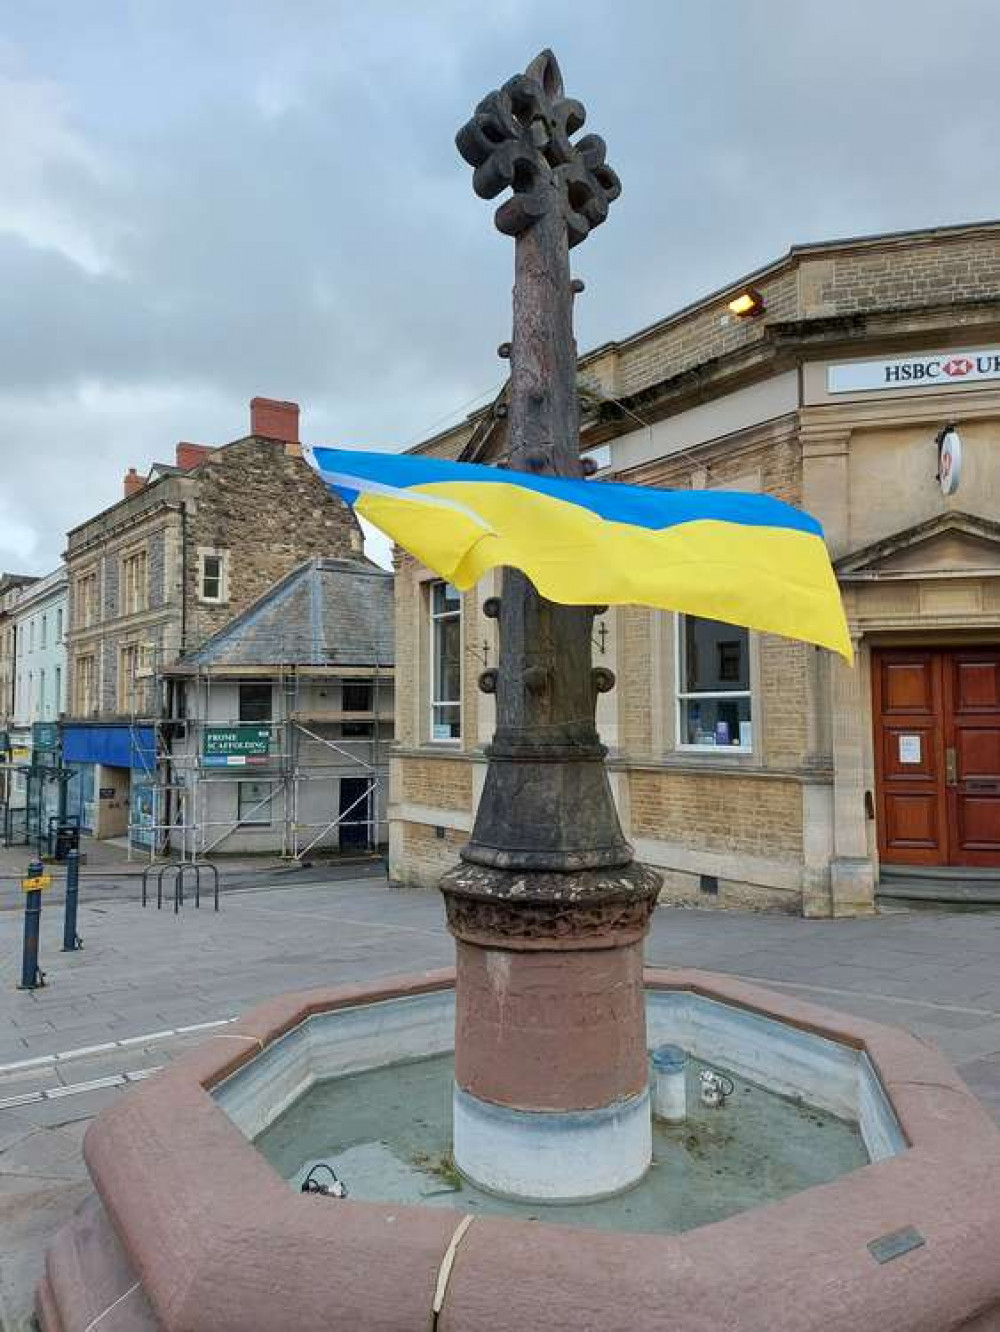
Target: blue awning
{"points": [[114, 746]]}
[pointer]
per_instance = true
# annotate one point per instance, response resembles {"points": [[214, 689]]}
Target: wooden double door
{"points": [[937, 755]]}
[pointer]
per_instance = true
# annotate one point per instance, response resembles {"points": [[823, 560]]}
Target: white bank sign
{"points": [[941, 371]]}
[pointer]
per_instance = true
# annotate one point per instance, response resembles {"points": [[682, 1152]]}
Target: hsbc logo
{"points": [[958, 365], [914, 371]]}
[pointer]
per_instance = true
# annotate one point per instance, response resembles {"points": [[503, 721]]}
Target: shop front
{"points": [[113, 763]]}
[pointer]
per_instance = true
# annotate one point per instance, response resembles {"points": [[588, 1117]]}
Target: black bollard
{"points": [[71, 940], [34, 881]]}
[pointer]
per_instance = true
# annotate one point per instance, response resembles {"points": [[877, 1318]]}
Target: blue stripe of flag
{"points": [[641, 506]]}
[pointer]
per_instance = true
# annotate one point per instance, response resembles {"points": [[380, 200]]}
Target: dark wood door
{"points": [[937, 755], [972, 755], [909, 757]]}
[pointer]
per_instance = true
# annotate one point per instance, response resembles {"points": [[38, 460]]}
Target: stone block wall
{"points": [[107, 667], [634, 680], [108, 593], [157, 570], [419, 853], [696, 335], [408, 612], [718, 811], [269, 512], [444, 783], [915, 271]]}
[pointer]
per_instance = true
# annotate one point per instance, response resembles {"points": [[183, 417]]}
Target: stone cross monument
{"points": [[548, 909]]}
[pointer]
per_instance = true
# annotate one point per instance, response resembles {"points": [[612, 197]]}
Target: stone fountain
{"points": [[195, 1223]]}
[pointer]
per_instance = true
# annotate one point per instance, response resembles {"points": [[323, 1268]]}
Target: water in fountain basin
{"points": [[387, 1133]]}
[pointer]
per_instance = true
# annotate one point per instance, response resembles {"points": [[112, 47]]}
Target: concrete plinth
{"points": [[551, 1074], [553, 1157]]}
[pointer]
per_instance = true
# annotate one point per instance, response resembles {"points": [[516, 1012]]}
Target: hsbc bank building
{"points": [[862, 382]]}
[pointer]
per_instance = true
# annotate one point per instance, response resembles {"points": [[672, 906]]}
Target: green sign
{"points": [[45, 736], [236, 746]]}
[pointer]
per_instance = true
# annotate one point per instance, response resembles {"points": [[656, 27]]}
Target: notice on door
{"points": [[909, 749]]}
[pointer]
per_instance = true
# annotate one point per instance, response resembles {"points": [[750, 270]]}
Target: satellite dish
{"points": [[949, 460]]}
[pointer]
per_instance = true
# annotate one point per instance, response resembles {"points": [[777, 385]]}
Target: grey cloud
{"points": [[276, 195]]}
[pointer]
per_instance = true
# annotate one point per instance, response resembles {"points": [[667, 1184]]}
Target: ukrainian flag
{"points": [[726, 555]]}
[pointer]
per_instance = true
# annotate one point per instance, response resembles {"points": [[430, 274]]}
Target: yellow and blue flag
{"points": [[745, 559]]}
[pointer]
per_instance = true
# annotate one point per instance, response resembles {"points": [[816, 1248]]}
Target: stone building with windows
{"points": [[188, 546], [862, 385]]}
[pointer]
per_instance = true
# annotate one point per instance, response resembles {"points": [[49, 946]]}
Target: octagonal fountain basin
{"points": [[851, 1181]]}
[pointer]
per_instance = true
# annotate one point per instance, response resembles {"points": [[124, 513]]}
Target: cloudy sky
{"points": [[203, 200]]}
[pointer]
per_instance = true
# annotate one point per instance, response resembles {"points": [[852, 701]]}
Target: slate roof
{"points": [[327, 612]]}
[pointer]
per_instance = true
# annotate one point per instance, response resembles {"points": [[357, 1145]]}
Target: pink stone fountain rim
{"points": [[190, 1210]]}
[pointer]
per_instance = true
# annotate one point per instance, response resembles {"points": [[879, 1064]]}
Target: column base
{"points": [[852, 886], [553, 1156]]}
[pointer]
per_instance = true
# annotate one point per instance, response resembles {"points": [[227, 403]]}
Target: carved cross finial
{"points": [[520, 137]]}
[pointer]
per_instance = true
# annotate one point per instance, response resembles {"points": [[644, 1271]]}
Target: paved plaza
{"points": [[149, 984]]}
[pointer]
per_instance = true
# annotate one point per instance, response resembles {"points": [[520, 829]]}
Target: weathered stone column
{"points": [[548, 909]]}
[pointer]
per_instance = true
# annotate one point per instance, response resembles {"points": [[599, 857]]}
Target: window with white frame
{"points": [[212, 576], [254, 803], [59, 625], [714, 704], [446, 662]]}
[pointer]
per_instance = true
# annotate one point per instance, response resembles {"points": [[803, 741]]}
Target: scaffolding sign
{"points": [[235, 746]]}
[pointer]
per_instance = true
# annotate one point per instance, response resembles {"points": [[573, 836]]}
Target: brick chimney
{"points": [[190, 455], [276, 420], [133, 482]]}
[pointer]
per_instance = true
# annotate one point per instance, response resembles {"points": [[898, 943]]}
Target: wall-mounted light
{"points": [[748, 304]]}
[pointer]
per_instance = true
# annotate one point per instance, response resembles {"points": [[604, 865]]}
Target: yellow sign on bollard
{"points": [[36, 881]]}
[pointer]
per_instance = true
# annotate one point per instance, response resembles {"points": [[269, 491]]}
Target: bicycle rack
{"points": [[179, 872]]}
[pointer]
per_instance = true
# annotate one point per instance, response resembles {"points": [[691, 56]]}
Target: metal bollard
{"points": [[34, 881], [71, 940]]}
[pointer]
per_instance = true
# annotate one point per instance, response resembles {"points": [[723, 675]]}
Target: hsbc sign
{"points": [[937, 371]]}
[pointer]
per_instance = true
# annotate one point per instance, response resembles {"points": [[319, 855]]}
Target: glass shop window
{"points": [[446, 662], [714, 705]]}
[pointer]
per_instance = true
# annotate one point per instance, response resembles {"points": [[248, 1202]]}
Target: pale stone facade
{"points": [[789, 817]]}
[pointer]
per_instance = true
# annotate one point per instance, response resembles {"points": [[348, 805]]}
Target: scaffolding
{"points": [[302, 764]]}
